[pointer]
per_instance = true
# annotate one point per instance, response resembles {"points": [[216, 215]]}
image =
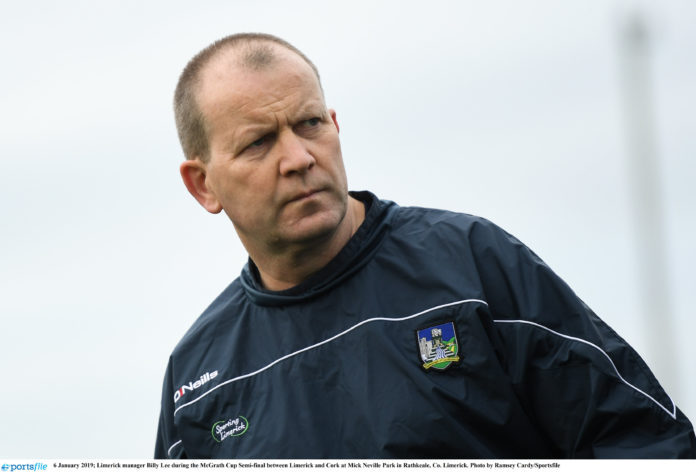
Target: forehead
{"points": [[227, 85]]}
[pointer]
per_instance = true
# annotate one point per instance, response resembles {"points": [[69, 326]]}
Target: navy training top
{"points": [[432, 334]]}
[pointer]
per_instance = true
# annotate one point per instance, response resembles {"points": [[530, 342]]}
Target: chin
{"points": [[316, 227]]}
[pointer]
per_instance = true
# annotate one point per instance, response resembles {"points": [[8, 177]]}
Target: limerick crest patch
{"points": [[438, 346]]}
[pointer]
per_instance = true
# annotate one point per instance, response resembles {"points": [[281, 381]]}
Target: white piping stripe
{"points": [[673, 413], [370, 320], [172, 447]]}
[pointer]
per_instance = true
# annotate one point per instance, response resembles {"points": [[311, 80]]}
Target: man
{"points": [[362, 329]]}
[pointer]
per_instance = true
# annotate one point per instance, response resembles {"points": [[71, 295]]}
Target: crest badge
{"points": [[438, 346]]}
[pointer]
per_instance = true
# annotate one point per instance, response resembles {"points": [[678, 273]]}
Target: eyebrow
{"points": [[254, 129], [314, 108]]}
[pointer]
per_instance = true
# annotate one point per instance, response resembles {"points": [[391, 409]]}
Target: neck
{"points": [[284, 271]]}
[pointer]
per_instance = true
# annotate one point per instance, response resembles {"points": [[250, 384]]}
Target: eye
{"points": [[309, 126], [258, 142], [312, 122]]}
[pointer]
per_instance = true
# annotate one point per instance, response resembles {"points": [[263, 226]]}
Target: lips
{"points": [[303, 195]]}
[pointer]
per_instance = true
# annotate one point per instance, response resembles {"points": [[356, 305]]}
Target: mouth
{"points": [[304, 195]]}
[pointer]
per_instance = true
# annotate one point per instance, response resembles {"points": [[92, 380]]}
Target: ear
{"points": [[193, 172], [332, 112]]}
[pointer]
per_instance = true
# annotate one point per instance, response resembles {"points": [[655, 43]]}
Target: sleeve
{"points": [[168, 444], [587, 390]]}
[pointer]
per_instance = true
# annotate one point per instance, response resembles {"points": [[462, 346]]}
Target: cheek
{"points": [[248, 194], [331, 153], [338, 166], [229, 181], [226, 188]]}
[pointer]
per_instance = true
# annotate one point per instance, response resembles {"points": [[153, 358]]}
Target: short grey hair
{"points": [[257, 54]]}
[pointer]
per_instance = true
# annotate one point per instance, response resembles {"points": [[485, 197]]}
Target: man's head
{"points": [[256, 52], [267, 152]]}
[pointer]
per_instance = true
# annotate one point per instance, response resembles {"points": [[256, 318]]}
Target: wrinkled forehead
{"points": [[232, 94], [244, 66]]}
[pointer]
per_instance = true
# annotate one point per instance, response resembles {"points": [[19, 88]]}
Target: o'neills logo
{"points": [[207, 377]]}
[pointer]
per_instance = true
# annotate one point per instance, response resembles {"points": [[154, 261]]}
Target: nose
{"points": [[294, 155]]}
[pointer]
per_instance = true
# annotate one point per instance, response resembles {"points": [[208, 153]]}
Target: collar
{"points": [[356, 253]]}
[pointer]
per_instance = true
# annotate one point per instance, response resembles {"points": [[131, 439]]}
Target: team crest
{"points": [[438, 346]]}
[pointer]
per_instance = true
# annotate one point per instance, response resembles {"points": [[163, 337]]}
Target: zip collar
{"points": [[355, 254]]}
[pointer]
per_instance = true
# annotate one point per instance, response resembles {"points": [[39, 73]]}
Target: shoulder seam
{"points": [[672, 414]]}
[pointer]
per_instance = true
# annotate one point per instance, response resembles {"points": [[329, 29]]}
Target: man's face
{"points": [[275, 162]]}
